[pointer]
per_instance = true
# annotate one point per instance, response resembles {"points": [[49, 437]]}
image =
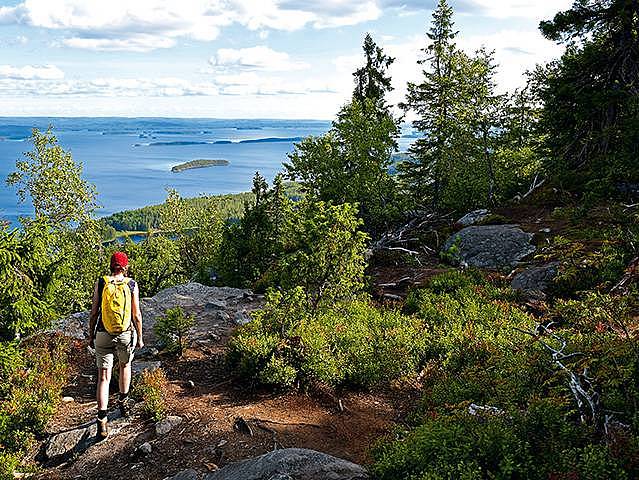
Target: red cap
{"points": [[119, 260]]}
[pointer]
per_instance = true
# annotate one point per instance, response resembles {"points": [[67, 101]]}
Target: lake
{"points": [[130, 159]]}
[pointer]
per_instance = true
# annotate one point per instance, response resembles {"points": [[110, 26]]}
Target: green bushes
{"points": [[538, 444], [349, 343], [172, 330], [531, 427], [31, 379]]}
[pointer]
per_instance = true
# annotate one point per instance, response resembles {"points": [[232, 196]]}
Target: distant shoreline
{"points": [[199, 163]]}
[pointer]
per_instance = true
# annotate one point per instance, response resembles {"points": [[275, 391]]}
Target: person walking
{"points": [[115, 328]]}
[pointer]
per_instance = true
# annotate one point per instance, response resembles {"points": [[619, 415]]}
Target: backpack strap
{"points": [[101, 285]]}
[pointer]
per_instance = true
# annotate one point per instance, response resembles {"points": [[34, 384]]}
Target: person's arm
{"points": [[137, 315], [93, 317]]}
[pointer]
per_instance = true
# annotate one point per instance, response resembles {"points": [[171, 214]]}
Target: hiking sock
{"points": [[102, 414]]}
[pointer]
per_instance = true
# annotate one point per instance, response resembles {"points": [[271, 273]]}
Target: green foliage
{"points": [[52, 180], [155, 263], [584, 266], [50, 264], [173, 328], [350, 163], [476, 149], [229, 206], [280, 243], [252, 245], [149, 217], [323, 252], [346, 343], [528, 423], [32, 375], [150, 389], [538, 444], [590, 96], [198, 234]]}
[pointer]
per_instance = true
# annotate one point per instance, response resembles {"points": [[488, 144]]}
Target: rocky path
{"points": [[215, 420]]}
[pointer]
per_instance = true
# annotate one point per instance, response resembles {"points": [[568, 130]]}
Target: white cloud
{"points": [[145, 24], [31, 72], [255, 58], [137, 43], [105, 87], [518, 8], [515, 52]]}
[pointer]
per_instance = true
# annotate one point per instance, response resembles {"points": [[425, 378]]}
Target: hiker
{"points": [[115, 327]]}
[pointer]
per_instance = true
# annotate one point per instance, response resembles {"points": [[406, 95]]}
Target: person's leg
{"points": [[104, 378], [104, 352], [125, 378], [125, 343]]}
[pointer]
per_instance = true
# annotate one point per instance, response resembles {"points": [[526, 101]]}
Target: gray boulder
{"points": [[473, 217], [291, 464], [167, 424], [489, 246], [537, 279]]}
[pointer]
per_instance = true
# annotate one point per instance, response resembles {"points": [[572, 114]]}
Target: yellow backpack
{"points": [[116, 305]]}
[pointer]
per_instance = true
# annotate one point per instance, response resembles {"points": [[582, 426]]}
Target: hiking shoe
{"points": [[124, 408], [103, 429]]}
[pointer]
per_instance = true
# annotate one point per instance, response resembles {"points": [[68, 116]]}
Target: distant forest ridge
{"points": [[228, 205]]}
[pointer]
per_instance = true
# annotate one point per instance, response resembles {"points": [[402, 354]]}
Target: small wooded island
{"points": [[199, 163]]}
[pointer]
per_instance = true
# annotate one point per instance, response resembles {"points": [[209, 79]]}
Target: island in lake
{"points": [[199, 163]]}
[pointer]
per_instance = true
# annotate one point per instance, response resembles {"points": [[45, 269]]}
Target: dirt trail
{"points": [[207, 437]]}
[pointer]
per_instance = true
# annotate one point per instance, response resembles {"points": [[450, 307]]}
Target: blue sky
{"points": [[234, 58]]}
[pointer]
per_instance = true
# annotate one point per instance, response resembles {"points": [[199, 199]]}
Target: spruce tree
{"points": [[591, 95], [351, 162], [456, 163], [435, 102], [371, 80]]}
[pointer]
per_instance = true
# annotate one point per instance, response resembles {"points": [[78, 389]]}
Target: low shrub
{"points": [[150, 389], [483, 349], [345, 344], [541, 443], [173, 330], [31, 380]]}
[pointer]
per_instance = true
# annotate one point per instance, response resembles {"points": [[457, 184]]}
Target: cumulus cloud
{"points": [[31, 72], [255, 58], [147, 24], [142, 25], [106, 87], [512, 8]]}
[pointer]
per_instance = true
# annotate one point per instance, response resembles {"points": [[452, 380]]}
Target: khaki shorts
{"points": [[107, 345]]}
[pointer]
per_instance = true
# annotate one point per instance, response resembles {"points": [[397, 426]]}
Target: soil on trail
{"points": [[208, 437]]}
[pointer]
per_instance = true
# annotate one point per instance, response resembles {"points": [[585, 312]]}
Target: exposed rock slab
{"points": [[489, 246], [63, 445], [293, 464], [212, 307]]}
